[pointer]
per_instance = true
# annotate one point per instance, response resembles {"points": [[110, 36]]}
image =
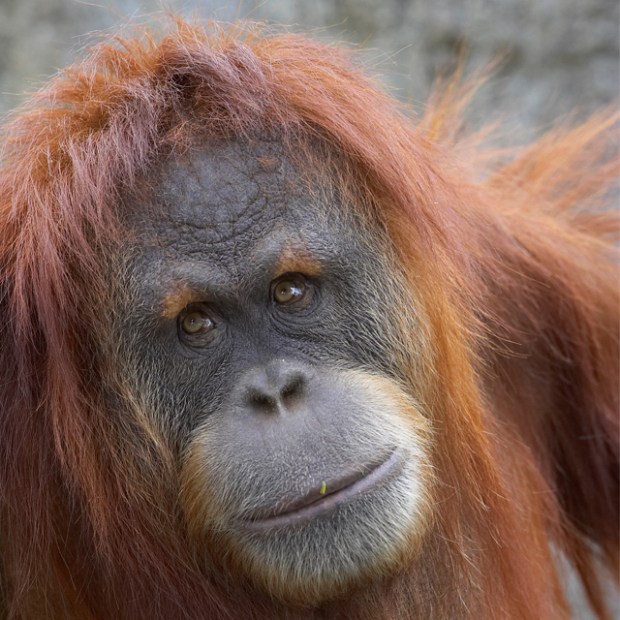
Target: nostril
{"points": [[274, 387], [260, 399], [293, 386]]}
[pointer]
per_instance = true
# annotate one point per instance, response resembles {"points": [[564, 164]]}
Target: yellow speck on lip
{"points": [[323, 487]]}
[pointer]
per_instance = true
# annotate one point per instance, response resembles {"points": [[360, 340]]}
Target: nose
{"points": [[275, 386]]}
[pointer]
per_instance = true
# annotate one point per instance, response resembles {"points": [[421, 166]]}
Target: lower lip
{"points": [[388, 469]]}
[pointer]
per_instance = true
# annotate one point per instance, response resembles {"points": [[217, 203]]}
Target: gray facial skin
{"points": [[302, 460]]}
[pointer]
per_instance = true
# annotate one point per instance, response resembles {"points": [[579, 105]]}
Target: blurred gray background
{"points": [[560, 56]]}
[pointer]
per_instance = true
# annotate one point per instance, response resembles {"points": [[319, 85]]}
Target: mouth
{"points": [[328, 494]]}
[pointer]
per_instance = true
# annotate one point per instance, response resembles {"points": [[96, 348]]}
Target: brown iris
{"points": [[289, 289], [196, 321]]}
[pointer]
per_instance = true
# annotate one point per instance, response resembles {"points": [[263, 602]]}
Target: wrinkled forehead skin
{"points": [[230, 192], [237, 208]]}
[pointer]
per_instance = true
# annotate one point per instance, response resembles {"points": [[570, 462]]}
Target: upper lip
{"points": [[352, 482]]}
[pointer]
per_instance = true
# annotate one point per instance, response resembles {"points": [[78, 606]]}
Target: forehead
{"points": [[232, 213], [228, 197], [227, 194]]}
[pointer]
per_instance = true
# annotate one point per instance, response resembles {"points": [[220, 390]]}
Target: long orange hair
{"points": [[512, 259]]}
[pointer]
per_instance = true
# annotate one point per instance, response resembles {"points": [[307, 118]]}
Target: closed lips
{"points": [[335, 492]]}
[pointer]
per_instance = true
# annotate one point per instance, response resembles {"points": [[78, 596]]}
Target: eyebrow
{"points": [[297, 259], [291, 259], [177, 299]]}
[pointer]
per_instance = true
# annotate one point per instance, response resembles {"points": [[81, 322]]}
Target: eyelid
{"points": [[297, 260], [179, 300], [289, 276]]}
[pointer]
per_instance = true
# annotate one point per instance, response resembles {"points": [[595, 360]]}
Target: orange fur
{"points": [[512, 263]]}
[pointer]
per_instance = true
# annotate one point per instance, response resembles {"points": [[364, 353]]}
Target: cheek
{"points": [[229, 476], [170, 385]]}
